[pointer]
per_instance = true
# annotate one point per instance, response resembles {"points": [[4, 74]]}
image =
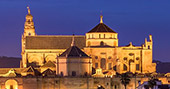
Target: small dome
{"points": [[73, 51]]}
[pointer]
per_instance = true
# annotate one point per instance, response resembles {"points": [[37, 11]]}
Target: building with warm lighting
{"points": [[100, 43], [79, 61]]}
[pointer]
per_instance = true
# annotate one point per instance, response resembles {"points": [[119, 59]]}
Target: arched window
{"points": [[110, 66], [99, 35], [148, 47], [103, 63], [124, 67], [29, 34], [11, 84], [101, 43], [29, 21]]}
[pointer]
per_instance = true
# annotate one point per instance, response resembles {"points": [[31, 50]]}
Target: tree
{"points": [[125, 79], [152, 82]]}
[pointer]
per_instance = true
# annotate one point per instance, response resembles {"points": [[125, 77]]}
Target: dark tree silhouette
{"points": [[152, 82], [125, 79]]}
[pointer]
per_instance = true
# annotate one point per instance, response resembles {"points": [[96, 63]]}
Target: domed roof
{"points": [[101, 27], [73, 51]]}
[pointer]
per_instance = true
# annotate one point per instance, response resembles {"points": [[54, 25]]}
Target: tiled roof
{"points": [[49, 64], [101, 27], [53, 42], [5, 70], [48, 72], [73, 51], [29, 69]]}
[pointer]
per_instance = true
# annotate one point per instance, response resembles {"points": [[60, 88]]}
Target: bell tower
{"points": [[29, 30]]}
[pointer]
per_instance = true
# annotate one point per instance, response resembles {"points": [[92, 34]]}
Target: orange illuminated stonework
{"points": [[79, 61]]}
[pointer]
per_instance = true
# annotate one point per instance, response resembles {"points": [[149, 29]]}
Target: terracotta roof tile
{"points": [[73, 51], [49, 64], [53, 42], [101, 27]]}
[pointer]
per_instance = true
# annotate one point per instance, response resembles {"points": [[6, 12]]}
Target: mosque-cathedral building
{"points": [[78, 61]]}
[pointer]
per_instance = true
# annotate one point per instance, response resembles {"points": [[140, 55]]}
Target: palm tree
{"points": [[125, 79], [152, 82]]}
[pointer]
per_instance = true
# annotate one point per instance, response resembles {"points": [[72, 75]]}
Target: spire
{"points": [[29, 29], [72, 43], [130, 43], [150, 38], [29, 11], [101, 18]]}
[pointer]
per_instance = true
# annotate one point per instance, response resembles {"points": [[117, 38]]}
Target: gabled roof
{"points": [[29, 69], [49, 64], [101, 27], [73, 51], [48, 72], [53, 42]]}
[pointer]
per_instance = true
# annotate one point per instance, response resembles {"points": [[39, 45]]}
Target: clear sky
{"points": [[134, 20]]}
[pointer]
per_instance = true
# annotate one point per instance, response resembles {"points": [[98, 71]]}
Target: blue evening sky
{"points": [[134, 20]]}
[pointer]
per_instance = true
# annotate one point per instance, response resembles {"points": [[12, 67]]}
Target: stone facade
{"points": [[100, 43], [69, 82], [49, 62]]}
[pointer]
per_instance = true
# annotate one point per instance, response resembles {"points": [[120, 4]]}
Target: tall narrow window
{"points": [[115, 87], [124, 67], [99, 36], [101, 43], [110, 66], [103, 63], [96, 65], [137, 67], [104, 36], [148, 47]]}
